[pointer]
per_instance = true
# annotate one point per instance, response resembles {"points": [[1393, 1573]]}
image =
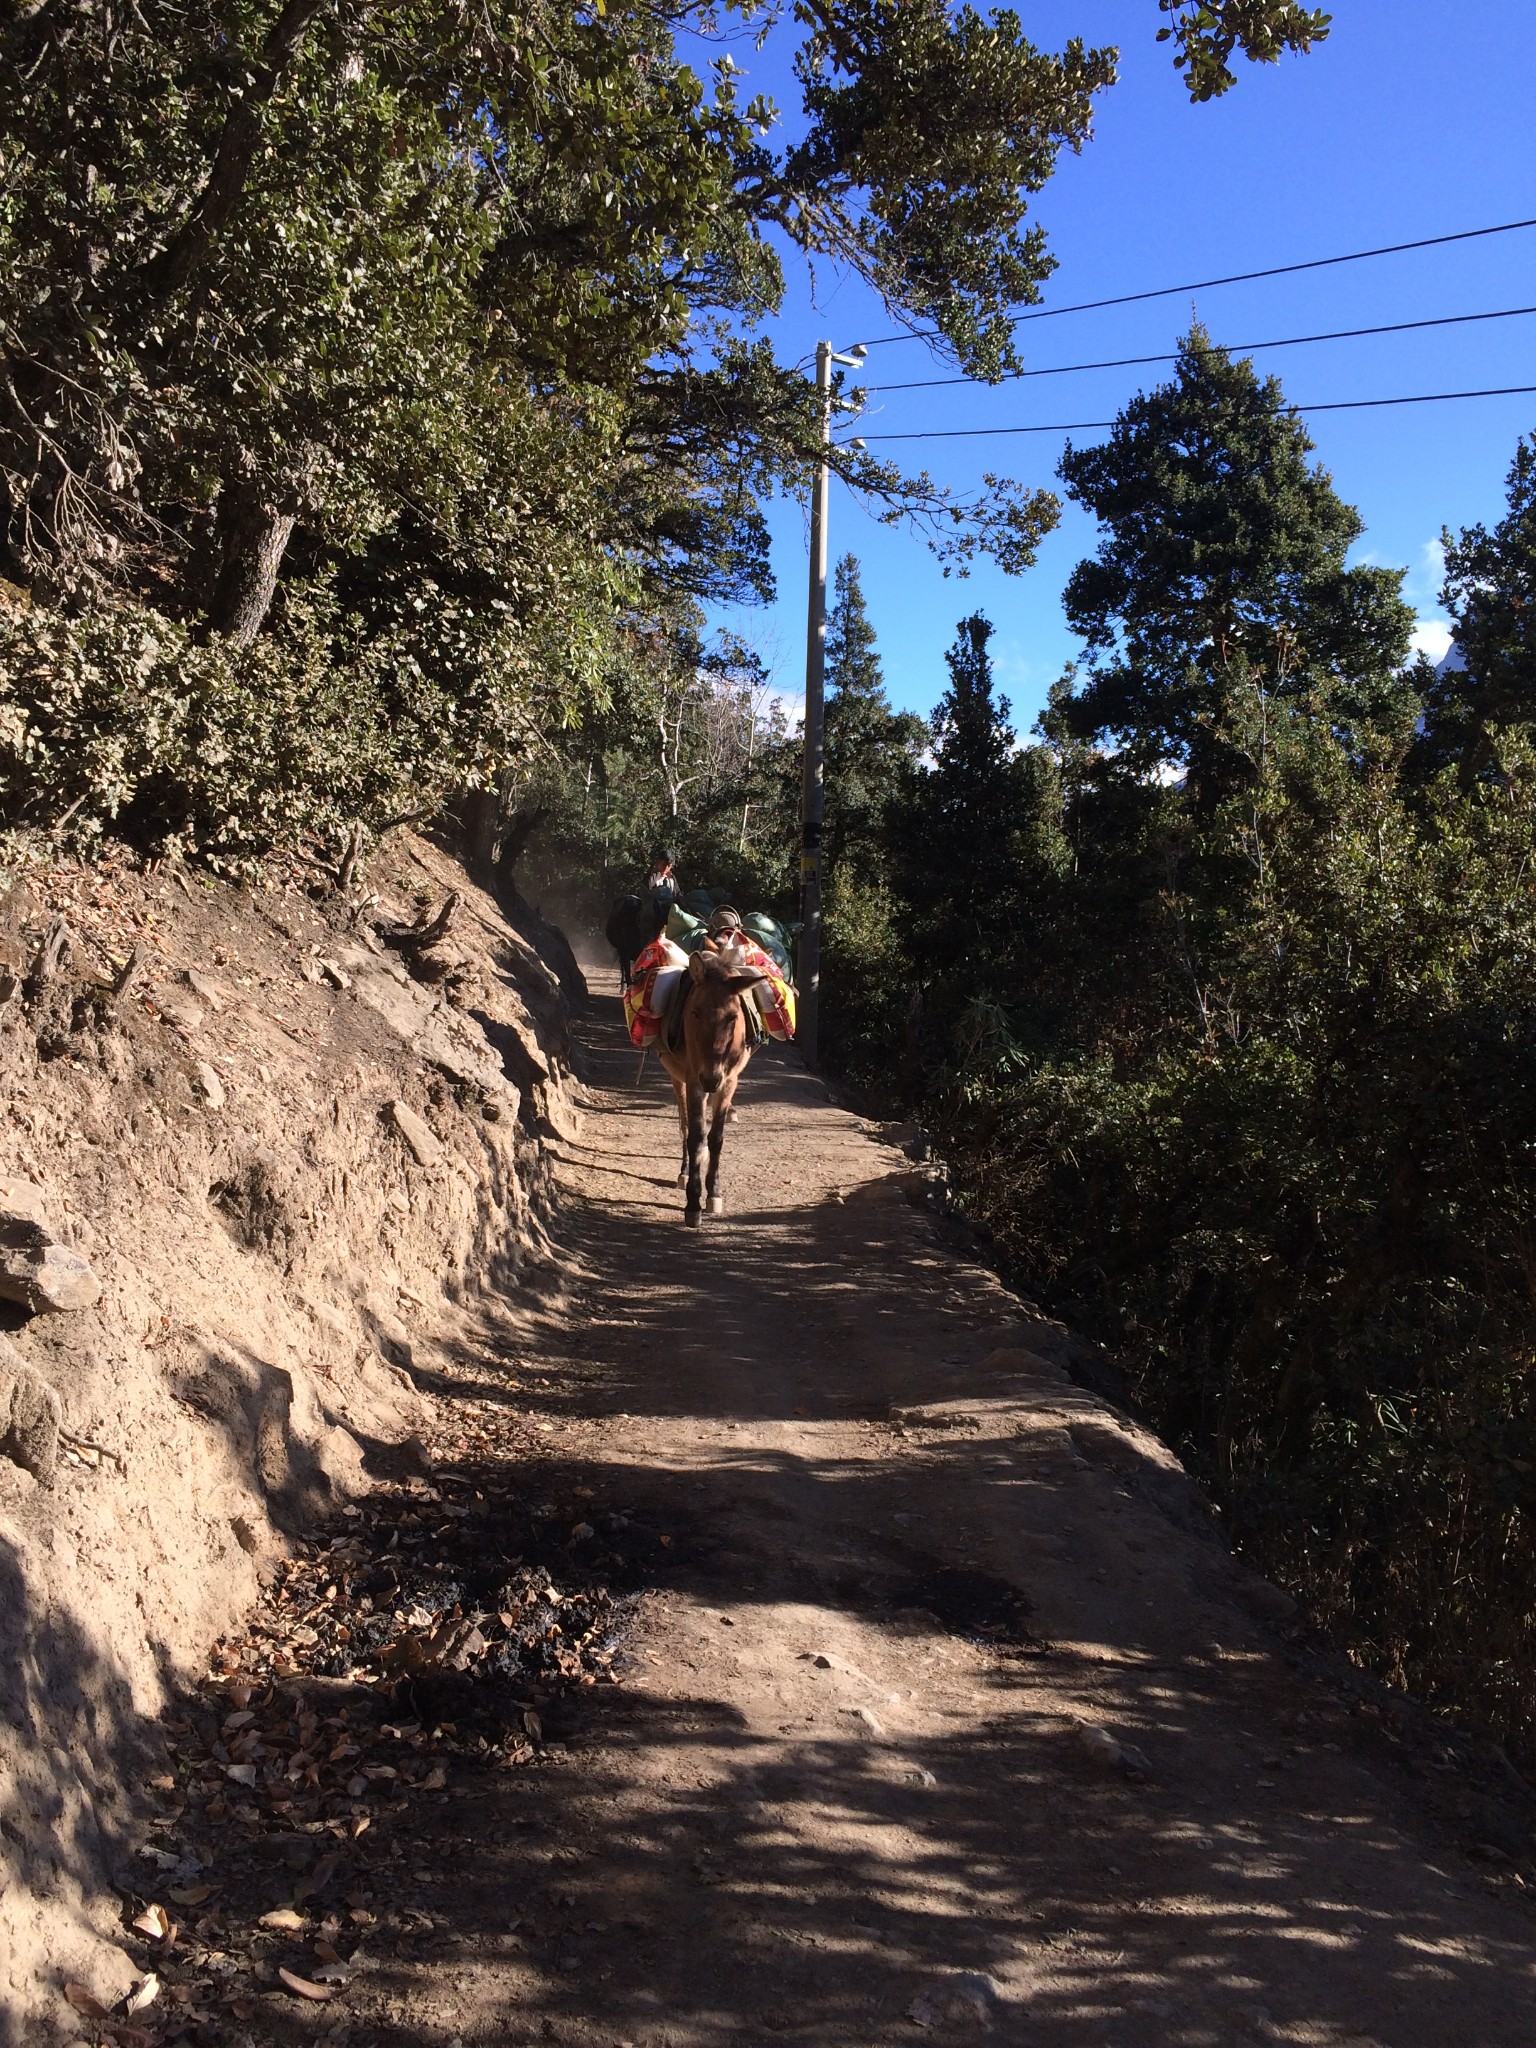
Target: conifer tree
{"points": [[977, 845], [868, 745], [1490, 592], [1221, 583]]}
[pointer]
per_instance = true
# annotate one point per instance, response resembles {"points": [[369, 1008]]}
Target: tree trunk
{"points": [[255, 522], [253, 537], [480, 815]]}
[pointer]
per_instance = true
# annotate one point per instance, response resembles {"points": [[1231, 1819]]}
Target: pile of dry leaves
{"points": [[419, 1637]]}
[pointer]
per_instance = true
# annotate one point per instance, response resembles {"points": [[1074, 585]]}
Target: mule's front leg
{"points": [[682, 1119], [720, 1109], [694, 1154]]}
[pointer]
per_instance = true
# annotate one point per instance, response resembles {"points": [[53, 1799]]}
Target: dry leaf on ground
{"points": [[303, 1988], [144, 1993]]}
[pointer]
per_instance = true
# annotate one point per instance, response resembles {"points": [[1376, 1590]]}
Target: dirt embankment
{"points": [[256, 1144]]}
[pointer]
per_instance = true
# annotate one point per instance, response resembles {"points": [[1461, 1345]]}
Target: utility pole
{"points": [[813, 807]]}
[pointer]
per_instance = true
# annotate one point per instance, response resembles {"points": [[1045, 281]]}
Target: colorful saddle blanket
{"points": [[652, 982], [653, 987]]}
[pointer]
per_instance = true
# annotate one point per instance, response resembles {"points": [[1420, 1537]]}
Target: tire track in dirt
{"points": [[849, 1792]]}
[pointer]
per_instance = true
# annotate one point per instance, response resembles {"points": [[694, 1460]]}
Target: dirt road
{"points": [[850, 1792]]}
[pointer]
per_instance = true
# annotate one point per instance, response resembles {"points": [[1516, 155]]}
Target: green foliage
{"points": [[1207, 32], [118, 716], [975, 856], [1299, 1201], [941, 232], [871, 752], [870, 749], [1228, 1026], [1474, 711], [1221, 579], [691, 753], [436, 322]]}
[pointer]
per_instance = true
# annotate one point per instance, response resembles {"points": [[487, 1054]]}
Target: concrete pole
{"points": [[813, 789]]}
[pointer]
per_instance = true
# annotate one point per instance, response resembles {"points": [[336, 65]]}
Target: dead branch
{"points": [[415, 938], [350, 859], [50, 956], [129, 973]]}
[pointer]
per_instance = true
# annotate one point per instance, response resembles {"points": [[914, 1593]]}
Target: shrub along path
{"points": [[946, 1713]]}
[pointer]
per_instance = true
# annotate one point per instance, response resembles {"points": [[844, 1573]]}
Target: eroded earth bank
{"points": [[624, 1635]]}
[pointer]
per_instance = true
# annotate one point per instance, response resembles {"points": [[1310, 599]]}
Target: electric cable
{"points": [[1209, 284], [1084, 426], [1236, 348]]}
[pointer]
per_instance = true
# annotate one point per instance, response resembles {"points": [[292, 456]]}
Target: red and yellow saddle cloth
{"points": [[653, 983]]}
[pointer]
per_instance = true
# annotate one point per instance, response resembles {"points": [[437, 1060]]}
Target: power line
{"points": [[1084, 426], [1232, 348], [1170, 291]]}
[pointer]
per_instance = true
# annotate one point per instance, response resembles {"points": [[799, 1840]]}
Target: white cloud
{"points": [[1431, 637], [1421, 586], [790, 702]]}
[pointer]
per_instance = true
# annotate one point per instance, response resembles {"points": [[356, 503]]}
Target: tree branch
{"points": [[179, 260]]}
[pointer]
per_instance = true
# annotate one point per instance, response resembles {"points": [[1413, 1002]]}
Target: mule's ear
{"points": [[742, 978], [696, 966]]}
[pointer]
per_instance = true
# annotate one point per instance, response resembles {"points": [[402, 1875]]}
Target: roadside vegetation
{"points": [[1216, 993], [1219, 997]]}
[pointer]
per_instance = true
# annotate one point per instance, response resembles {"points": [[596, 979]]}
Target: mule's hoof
{"points": [[682, 1178], [717, 1205], [691, 1218]]}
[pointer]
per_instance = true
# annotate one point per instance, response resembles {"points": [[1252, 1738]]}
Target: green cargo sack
{"points": [[685, 930]]}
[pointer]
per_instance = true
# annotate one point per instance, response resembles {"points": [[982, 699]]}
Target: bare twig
{"points": [[415, 938], [50, 956], [350, 859], [129, 972], [84, 1443]]}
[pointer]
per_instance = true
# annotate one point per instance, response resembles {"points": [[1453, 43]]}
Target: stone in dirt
{"points": [[1102, 1748], [35, 1270], [22, 1203], [207, 988], [180, 1011], [209, 1085], [969, 1995], [30, 1416], [423, 1141]]}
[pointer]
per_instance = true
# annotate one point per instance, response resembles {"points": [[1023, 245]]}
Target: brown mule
{"points": [[714, 1045]]}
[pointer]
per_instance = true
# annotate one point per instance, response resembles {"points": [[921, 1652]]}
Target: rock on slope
{"points": [[257, 1137]]}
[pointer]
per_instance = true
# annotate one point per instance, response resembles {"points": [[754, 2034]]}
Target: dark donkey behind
{"points": [[635, 922]]}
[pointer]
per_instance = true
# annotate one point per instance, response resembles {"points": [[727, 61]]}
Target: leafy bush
{"points": [[120, 718]]}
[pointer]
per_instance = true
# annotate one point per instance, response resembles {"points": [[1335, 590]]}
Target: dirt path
{"points": [[843, 1798]]}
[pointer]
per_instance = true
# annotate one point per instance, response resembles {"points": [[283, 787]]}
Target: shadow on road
{"points": [[694, 1874]]}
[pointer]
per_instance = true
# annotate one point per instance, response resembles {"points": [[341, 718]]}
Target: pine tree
{"points": [[1221, 583], [1472, 711], [978, 849], [869, 747]]}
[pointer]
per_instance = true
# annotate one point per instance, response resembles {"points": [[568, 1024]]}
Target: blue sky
{"points": [[1413, 119]]}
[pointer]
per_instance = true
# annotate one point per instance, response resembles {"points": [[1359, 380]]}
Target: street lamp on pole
{"points": [[813, 789]]}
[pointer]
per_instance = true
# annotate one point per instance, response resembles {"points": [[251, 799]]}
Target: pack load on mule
{"points": [[654, 995], [688, 930]]}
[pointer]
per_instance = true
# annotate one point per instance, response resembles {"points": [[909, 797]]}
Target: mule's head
{"points": [[723, 973], [716, 1029]]}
